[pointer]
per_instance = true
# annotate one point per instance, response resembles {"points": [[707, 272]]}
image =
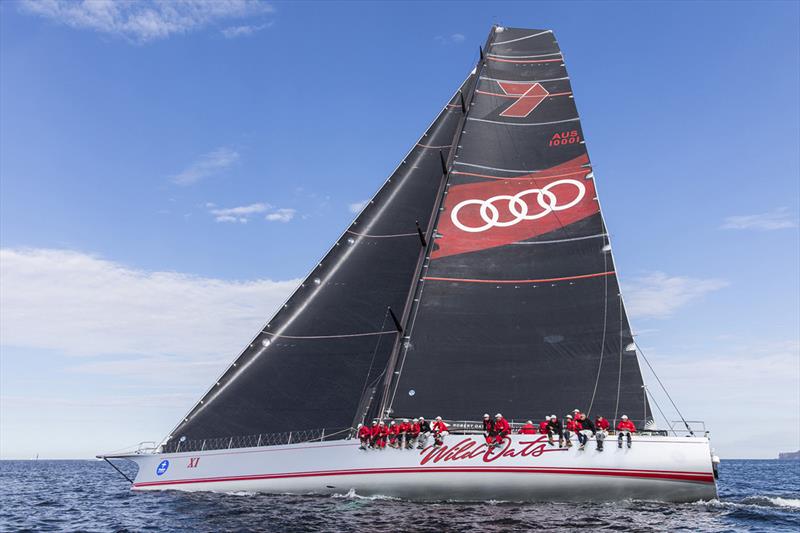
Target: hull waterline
{"points": [[525, 468]]}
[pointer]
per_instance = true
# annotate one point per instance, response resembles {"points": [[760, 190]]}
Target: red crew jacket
{"points": [[501, 427], [626, 425], [543, 427], [601, 424], [364, 432], [571, 425], [404, 427], [413, 429], [527, 429], [440, 426]]}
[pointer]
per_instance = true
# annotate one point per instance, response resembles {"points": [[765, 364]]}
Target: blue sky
{"points": [[169, 171]]}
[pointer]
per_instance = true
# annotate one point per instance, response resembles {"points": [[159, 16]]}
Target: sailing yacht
{"points": [[479, 278]]}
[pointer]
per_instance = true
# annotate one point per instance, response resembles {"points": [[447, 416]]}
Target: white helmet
{"points": [[530, 422], [547, 417], [553, 416], [498, 415], [438, 418], [576, 410], [422, 419], [485, 416], [624, 417], [569, 416]]}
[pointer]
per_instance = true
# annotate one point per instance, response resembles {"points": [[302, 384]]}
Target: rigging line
{"points": [[685, 423], [381, 236], [522, 38], [511, 281], [301, 337], [666, 420], [506, 123], [525, 81], [603, 341], [561, 240], [374, 353], [619, 374]]}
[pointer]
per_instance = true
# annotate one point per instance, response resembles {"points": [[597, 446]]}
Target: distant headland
{"points": [[789, 456]]}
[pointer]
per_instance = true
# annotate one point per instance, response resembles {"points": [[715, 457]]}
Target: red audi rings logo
{"points": [[517, 205]]}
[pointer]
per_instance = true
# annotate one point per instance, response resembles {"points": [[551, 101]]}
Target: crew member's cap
{"points": [[553, 416], [569, 416], [530, 422], [405, 420], [498, 415], [547, 417], [576, 410], [438, 418], [486, 415], [624, 417]]}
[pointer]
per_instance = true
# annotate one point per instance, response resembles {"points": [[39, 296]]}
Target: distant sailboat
{"points": [[479, 278]]}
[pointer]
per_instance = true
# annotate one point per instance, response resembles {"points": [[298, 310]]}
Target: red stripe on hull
{"points": [[669, 476]]}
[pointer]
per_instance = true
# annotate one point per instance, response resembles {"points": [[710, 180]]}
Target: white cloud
{"points": [[738, 381], [207, 165], [356, 207], [455, 38], [144, 20], [232, 32], [281, 215], [658, 295], [238, 214], [81, 305], [779, 218]]}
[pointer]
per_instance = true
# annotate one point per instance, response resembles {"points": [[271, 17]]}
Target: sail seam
{"points": [[522, 38], [525, 81], [544, 280], [562, 240], [549, 176], [521, 171], [517, 97], [342, 336], [524, 57], [523, 123], [382, 236]]}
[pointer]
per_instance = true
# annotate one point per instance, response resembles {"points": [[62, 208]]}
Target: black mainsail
{"points": [[519, 308], [478, 278]]}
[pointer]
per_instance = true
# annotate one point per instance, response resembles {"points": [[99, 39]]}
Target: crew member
{"points": [[373, 435], [424, 431], [413, 433], [404, 427], [601, 425], [364, 434], [554, 427], [528, 428], [543, 425], [394, 433], [586, 429], [383, 433], [488, 429], [625, 427], [440, 430], [501, 428], [571, 427]]}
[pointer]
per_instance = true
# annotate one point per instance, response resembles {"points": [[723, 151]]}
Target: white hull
{"points": [[526, 468]]}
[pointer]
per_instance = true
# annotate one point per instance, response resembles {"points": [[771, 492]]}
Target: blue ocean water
{"points": [[91, 496]]}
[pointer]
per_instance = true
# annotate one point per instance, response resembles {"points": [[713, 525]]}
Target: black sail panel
{"points": [[312, 364], [519, 308]]}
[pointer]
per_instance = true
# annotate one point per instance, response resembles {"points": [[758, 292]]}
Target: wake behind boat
{"points": [[480, 276]]}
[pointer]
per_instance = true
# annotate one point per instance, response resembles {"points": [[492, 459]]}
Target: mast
{"points": [[429, 240]]}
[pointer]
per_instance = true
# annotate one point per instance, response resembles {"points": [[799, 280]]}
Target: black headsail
{"points": [[519, 308], [317, 361]]}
